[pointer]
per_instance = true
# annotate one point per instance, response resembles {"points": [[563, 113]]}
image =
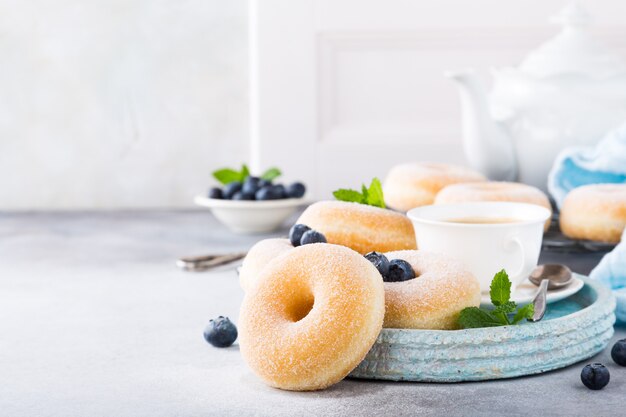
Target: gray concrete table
{"points": [[96, 320]]}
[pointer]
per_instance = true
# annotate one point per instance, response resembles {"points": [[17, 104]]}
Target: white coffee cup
{"points": [[512, 241]]}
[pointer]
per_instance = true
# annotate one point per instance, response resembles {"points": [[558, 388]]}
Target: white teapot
{"points": [[570, 91]]}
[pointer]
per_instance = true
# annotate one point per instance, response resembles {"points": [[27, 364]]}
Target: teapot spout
{"points": [[487, 144]]}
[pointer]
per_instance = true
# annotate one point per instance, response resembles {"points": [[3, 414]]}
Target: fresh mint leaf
{"points": [[372, 196], [500, 290], [364, 193], [351, 196], [245, 172], [525, 312], [474, 317], [503, 310], [271, 174], [227, 175], [506, 308], [375, 194]]}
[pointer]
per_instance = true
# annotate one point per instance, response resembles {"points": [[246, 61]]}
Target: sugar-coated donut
{"points": [[494, 191], [412, 185], [311, 317], [432, 300], [360, 227], [258, 256], [595, 212]]}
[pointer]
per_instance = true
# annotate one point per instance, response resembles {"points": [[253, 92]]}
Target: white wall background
{"points": [[132, 103], [119, 103]]}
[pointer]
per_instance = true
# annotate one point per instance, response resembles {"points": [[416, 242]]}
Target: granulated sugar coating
{"points": [[416, 184], [258, 257], [311, 317], [360, 227], [595, 212], [434, 299]]}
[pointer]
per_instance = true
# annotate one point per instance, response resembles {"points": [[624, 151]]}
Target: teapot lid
{"points": [[573, 50]]}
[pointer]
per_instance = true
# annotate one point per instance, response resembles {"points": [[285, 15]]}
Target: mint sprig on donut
{"points": [[500, 293], [372, 195]]}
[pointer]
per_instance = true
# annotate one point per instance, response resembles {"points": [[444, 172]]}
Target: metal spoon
{"points": [[548, 277], [206, 262]]}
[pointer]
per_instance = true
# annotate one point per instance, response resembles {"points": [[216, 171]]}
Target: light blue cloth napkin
{"points": [[611, 271], [582, 165]]}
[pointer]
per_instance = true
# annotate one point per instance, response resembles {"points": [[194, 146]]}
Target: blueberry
{"points": [[216, 193], [296, 232], [296, 190], [264, 183], [267, 193], [380, 261], [220, 332], [250, 185], [399, 270], [312, 236], [618, 353], [242, 195], [280, 191], [231, 188], [595, 376]]}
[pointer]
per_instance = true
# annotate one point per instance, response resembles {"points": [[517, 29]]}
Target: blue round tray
{"points": [[573, 329]]}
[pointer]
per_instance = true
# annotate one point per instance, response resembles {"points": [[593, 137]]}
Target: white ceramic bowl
{"points": [[251, 216]]}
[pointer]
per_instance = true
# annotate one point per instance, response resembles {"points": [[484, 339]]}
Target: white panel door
{"points": [[343, 89]]}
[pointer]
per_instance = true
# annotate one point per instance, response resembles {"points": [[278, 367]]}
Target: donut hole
{"points": [[299, 307]]}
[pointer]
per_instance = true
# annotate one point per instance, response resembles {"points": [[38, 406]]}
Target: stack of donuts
{"points": [[594, 212], [423, 183], [311, 312]]}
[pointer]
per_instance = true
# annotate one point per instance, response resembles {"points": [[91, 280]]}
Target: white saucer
{"points": [[525, 292]]}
